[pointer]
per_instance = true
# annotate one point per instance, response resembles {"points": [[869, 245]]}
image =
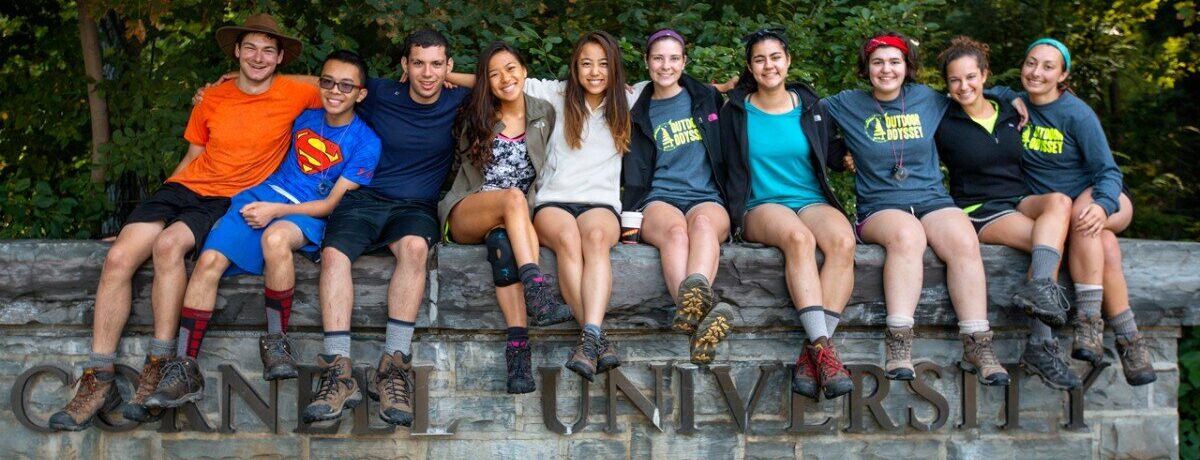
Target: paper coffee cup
{"points": [[631, 227]]}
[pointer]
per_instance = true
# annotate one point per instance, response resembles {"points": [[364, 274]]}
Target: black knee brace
{"points": [[500, 255]]}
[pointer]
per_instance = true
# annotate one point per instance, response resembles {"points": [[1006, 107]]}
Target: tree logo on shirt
{"points": [[899, 127], [315, 153], [676, 133], [1042, 139]]}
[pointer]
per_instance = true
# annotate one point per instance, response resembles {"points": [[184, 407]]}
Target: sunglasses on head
{"points": [[770, 32], [344, 87]]}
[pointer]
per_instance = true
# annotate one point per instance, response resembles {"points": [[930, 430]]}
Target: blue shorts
{"points": [[242, 244]]}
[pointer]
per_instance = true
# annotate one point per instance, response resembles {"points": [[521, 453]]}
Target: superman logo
{"points": [[315, 153]]}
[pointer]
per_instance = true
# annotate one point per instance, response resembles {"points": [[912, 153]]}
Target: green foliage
{"points": [[1189, 394]]}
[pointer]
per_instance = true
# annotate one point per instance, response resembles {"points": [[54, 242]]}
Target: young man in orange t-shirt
{"points": [[237, 137]]}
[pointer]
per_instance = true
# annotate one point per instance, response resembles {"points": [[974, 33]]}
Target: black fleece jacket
{"points": [[637, 166], [983, 166], [820, 129]]}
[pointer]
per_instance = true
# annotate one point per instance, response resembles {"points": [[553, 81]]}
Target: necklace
{"points": [[326, 185], [899, 172]]}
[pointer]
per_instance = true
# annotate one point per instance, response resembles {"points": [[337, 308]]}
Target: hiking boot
{"points": [[1042, 360], [276, 353], [584, 355], [1089, 339], [695, 300], [542, 306], [714, 328], [899, 353], [181, 383], [980, 359], [608, 359], [520, 369], [834, 377], [393, 386], [804, 376], [95, 391], [1040, 299], [337, 390], [1135, 360], [135, 409]]}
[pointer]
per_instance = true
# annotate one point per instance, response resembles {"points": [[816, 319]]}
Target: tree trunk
{"points": [[89, 39]]}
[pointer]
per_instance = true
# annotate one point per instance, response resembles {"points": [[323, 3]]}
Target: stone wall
{"points": [[742, 407]]}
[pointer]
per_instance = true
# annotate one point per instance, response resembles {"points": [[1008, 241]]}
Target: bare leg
{"points": [[479, 213], [707, 227], [903, 237], [776, 225], [835, 238], [114, 295], [408, 279], [279, 241], [954, 241], [559, 232], [336, 290], [600, 231], [512, 304], [170, 278], [201, 293], [665, 228]]}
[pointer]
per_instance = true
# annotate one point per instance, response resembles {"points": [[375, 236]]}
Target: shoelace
{"points": [[828, 363], [277, 348], [329, 382], [84, 387], [147, 383], [518, 362], [987, 356], [173, 372], [591, 346], [1059, 366], [396, 383], [1048, 294], [899, 346], [541, 297]]}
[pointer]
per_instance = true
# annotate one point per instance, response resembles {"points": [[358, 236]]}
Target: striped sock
{"points": [[399, 337], [1123, 325], [1043, 261], [193, 324], [279, 309], [517, 337], [813, 318], [1088, 298], [337, 343], [832, 318], [162, 348]]}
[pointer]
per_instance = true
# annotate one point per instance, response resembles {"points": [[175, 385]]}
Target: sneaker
{"points": [[899, 353], [695, 300], [1040, 299], [1089, 339], [520, 369], [1135, 360], [393, 385], [542, 306], [584, 355], [181, 383], [276, 353], [804, 376], [1042, 360], [336, 392], [980, 359], [834, 378], [135, 409], [95, 391], [714, 328], [608, 359]]}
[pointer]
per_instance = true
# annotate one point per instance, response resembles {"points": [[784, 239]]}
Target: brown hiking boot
{"points": [[980, 359], [182, 382], [714, 328], [608, 359], [135, 409], [1089, 339], [899, 353], [276, 353], [393, 386], [584, 355], [804, 376], [95, 391], [695, 300], [834, 377], [336, 391], [1135, 360]]}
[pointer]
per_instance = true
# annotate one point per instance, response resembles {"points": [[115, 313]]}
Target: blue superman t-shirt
{"points": [[320, 154]]}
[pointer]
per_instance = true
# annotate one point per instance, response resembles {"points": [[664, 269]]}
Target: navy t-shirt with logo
{"points": [[681, 170]]}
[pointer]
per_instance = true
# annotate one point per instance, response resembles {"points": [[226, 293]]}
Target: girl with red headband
{"points": [[903, 206]]}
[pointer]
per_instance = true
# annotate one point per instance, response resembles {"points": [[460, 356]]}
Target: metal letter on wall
{"points": [[873, 403], [103, 421], [798, 404], [550, 402], [1075, 402], [22, 388], [362, 412], [687, 398], [941, 407], [617, 382], [421, 424], [970, 399], [232, 382], [742, 411], [1012, 399], [193, 420]]}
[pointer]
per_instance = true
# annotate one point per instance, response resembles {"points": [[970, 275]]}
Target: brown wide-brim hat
{"points": [[263, 24]]}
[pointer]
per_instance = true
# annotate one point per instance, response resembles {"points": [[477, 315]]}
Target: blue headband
{"points": [[1057, 45]]}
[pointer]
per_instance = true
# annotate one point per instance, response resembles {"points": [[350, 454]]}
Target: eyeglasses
{"points": [[771, 32], [344, 87]]}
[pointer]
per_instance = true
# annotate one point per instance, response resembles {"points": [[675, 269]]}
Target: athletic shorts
{"points": [[576, 209], [242, 244], [795, 209], [366, 222], [683, 206], [175, 203], [983, 214], [919, 211]]}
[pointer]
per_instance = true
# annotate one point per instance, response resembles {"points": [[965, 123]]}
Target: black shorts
{"points": [[682, 206], [366, 222], [175, 203], [918, 210], [576, 209], [983, 214]]}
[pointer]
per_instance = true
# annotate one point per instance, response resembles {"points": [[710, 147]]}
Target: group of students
{"points": [[555, 162]]}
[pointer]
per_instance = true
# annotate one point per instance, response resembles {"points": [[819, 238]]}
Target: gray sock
{"points": [[399, 337], [100, 360], [813, 319], [1039, 332], [162, 348], [1088, 298], [832, 319], [1123, 324], [1044, 262], [337, 343], [593, 329]]}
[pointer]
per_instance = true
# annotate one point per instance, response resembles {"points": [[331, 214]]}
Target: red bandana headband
{"points": [[886, 40]]}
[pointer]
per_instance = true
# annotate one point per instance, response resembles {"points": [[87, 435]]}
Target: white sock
{"points": [[896, 321], [972, 326]]}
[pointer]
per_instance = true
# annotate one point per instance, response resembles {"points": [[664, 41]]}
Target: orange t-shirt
{"points": [[244, 137]]}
